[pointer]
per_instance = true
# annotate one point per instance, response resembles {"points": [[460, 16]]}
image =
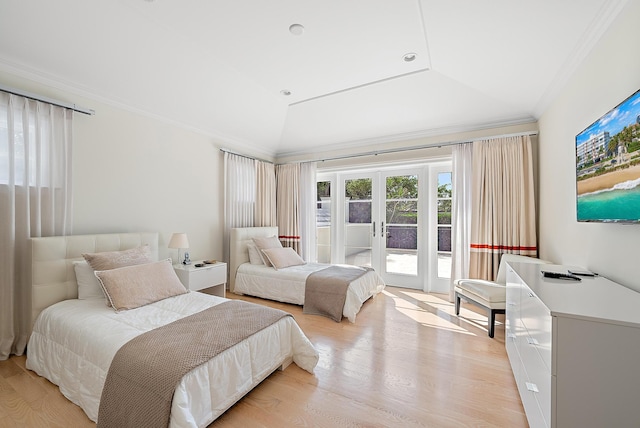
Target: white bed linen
{"points": [[288, 284], [74, 341]]}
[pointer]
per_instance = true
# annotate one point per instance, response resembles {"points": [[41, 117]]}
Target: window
{"points": [[24, 151]]}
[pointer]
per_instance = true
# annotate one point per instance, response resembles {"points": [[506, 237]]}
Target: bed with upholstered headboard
{"points": [[53, 278], [77, 337], [285, 280], [240, 237]]}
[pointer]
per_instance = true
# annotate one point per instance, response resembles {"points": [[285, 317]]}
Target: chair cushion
{"points": [[485, 290]]}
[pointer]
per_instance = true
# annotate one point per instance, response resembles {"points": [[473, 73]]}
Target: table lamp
{"points": [[180, 241]]}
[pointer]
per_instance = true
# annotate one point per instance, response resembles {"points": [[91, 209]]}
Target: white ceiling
{"points": [[219, 66]]}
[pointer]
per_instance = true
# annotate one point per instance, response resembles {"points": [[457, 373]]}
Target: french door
{"points": [[380, 227], [384, 219]]}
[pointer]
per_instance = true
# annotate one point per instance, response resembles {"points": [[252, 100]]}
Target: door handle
{"points": [[374, 229]]}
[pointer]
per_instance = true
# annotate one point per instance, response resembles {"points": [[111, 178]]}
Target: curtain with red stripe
{"points": [[503, 204], [288, 205]]}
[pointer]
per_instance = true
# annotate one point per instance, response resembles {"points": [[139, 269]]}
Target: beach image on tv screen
{"points": [[608, 166]]}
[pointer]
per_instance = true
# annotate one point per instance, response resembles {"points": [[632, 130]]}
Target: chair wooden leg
{"points": [[492, 322], [457, 303]]}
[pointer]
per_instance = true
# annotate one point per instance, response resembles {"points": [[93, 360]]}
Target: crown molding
{"points": [[408, 136]]}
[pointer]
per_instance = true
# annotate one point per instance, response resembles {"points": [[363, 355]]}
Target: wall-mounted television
{"points": [[608, 166]]}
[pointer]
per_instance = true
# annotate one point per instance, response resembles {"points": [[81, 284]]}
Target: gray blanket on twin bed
{"points": [[144, 373], [326, 290]]}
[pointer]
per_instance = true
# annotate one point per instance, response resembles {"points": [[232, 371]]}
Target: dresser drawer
{"points": [[514, 355], [536, 319], [537, 378], [535, 416]]}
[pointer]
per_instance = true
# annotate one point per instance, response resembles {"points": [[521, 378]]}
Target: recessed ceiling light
{"points": [[409, 57], [296, 29], [285, 92]]}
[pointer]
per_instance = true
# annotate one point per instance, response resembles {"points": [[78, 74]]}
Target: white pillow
{"points": [[282, 258], [254, 254], [266, 243], [88, 285]]}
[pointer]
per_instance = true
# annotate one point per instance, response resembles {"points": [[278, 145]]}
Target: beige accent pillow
{"points": [[254, 254], [117, 259], [266, 243], [281, 258], [134, 286]]}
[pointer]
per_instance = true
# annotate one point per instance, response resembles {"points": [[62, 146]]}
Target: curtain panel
{"points": [[35, 201], [503, 204], [461, 213], [239, 195], [308, 201], [265, 209], [288, 205]]}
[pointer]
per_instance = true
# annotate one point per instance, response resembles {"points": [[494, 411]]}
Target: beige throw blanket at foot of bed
{"points": [[144, 373], [326, 290]]}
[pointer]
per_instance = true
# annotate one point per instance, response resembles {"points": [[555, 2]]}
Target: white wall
{"points": [[135, 173], [609, 74]]}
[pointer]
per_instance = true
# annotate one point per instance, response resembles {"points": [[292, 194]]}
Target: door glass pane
{"points": [[402, 212], [444, 239], [444, 224], [323, 222], [401, 224], [357, 247]]}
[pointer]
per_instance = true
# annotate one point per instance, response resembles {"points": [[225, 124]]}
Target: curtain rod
{"points": [[396, 150], [46, 100], [244, 156], [421, 147]]}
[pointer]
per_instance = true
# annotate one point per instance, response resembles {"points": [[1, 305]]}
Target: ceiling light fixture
{"points": [[296, 29], [285, 92], [409, 57]]}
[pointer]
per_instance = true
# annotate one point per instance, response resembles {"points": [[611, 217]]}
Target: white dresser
{"points": [[574, 348]]}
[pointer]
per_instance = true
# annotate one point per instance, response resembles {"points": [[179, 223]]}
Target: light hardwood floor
{"points": [[408, 361]]}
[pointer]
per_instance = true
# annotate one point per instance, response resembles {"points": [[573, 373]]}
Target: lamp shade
{"points": [[179, 240]]}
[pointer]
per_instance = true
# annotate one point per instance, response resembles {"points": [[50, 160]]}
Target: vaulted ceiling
{"points": [[238, 70]]}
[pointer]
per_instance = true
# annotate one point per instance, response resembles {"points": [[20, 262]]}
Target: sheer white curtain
{"points": [[288, 204], [504, 219], [460, 213], [265, 212], [35, 200], [239, 194], [308, 202]]}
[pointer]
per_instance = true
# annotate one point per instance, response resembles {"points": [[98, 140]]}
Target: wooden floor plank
{"points": [[408, 361]]}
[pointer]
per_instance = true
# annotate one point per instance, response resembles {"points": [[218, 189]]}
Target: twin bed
{"points": [[74, 340], [288, 284], [77, 338]]}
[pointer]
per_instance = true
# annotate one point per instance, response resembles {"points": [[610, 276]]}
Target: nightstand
{"points": [[198, 278]]}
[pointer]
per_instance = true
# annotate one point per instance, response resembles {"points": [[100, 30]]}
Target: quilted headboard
{"points": [[53, 278], [238, 247]]}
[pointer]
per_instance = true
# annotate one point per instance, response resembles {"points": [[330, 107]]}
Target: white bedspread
{"points": [[287, 285], [74, 341]]}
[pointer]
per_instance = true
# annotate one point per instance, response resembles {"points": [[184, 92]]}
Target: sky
{"points": [[444, 178], [613, 121]]}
